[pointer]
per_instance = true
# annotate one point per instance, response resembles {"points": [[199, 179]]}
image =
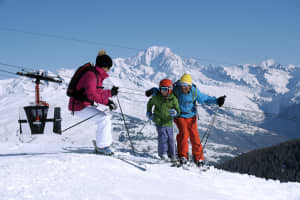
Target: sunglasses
{"points": [[182, 84]]}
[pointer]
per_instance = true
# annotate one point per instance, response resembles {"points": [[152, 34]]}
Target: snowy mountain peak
{"points": [[267, 63], [154, 63], [161, 58], [153, 53], [271, 64]]}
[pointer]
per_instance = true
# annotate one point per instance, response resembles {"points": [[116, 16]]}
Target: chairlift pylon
{"points": [[36, 114]]}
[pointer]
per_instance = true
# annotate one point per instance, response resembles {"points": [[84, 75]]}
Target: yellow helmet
{"points": [[186, 78]]}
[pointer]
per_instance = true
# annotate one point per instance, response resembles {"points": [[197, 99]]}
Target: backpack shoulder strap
{"points": [[194, 93], [78, 75], [175, 89], [82, 70], [93, 69], [89, 67]]}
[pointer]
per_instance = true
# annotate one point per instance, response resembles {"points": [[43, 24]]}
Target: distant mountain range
{"points": [[270, 91]]}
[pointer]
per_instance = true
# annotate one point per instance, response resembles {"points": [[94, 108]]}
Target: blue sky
{"points": [[232, 31]]}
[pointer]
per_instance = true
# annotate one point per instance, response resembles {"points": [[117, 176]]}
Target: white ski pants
{"points": [[103, 121]]}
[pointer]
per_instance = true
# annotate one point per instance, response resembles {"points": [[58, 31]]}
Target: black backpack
{"points": [[80, 94]]}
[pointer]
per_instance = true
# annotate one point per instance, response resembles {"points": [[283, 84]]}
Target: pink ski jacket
{"points": [[93, 91]]}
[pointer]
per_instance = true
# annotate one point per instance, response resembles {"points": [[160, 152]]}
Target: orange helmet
{"points": [[166, 85]]}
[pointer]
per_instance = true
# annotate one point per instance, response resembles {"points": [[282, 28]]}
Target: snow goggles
{"points": [[183, 84], [165, 89]]}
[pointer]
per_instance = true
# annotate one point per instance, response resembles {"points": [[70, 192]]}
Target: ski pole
{"points": [[133, 150], [76, 124], [144, 126], [209, 128]]}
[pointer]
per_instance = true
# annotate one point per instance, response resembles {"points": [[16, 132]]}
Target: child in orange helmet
{"points": [[166, 107]]}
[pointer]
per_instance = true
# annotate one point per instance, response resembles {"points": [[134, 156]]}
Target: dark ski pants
{"points": [[166, 141]]}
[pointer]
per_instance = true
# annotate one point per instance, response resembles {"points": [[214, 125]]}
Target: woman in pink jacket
{"points": [[91, 85]]}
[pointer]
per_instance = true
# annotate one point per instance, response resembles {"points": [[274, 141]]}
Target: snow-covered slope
{"points": [[43, 171], [265, 88]]}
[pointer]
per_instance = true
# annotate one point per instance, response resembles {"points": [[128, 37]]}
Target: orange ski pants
{"points": [[188, 129]]}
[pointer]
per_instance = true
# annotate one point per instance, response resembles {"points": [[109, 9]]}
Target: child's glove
{"points": [[173, 112], [149, 92], [149, 115], [221, 100]]}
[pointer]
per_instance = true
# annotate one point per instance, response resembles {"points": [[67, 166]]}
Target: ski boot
{"points": [[199, 163], [164, 157], [104, 151], [181, 162]]}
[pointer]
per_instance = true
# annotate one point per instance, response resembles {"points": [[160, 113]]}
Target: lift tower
{"points": [[37, 113]]}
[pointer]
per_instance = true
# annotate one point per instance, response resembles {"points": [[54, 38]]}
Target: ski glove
{"points": [[111, 105], [149, 92], [173, 112], [150, 115], [221, 100], [114, 91]]}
